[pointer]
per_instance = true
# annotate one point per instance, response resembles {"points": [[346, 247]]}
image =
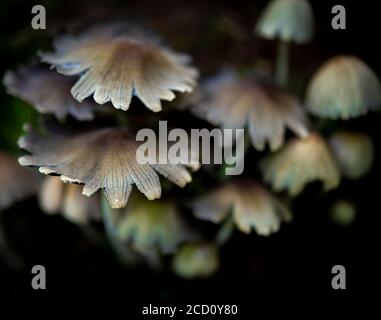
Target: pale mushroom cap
{"points": [[234, 103], [16, 183], [300, 162], [354, 153], [51, 195], [116, 64], [196, 261], [152, 225], [251, 205], [343, 88], [102, 159], [288, 20], [47, 91]]}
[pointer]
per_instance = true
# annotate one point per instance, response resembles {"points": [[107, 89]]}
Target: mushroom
{"points": [[116, 62], [16, 182], [344, 87], [299, 162], [289, 21], [251, 206], [101, 159], [233, 102], [150, 226], [196, 260], [354, 152], [56, 196], [47, 91]]}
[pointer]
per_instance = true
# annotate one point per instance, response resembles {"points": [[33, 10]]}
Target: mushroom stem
{"points": [[281, 71]]}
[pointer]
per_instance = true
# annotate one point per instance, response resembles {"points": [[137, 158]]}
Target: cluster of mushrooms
{"points": [[107, 69]]}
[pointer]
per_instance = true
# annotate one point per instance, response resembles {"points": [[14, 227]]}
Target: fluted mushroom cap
{"points": [[16, 182], [252, 207], [236, 103], [152, 225], [288, 20], [47, 91], [354, 153], [116, 62], [300, 162], [101, 159], [344, 87], [57, 197], [196, 261]]}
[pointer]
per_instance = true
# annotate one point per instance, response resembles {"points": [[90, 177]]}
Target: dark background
{"points": [[294, 263]]}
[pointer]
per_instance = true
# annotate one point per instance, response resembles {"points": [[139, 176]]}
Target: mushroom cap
{"points": [[116, 62], [47, 91], [252, 207], [152, 225], [105, 158], [344, 87], [235, 103], [16, 182], [57, 197], [354, 152], [300, 162], [288, 20], [198, 260]]}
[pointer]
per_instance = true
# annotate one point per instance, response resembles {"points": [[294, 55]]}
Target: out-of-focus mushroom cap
{"points": [[116, 63], [16, 182], [47, 91], [300, 162], [354, 153], [235, 103], [152, 225], [251, 205], [196, 261], [105, 158], [343, 88], [288, 20]]}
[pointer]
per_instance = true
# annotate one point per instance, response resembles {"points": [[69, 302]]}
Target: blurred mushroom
{"points": [[152, 225], [16, 182], [233, 102], [116, 62], [56, 196], [196, 261], [289, 21], [104, 158], [47, 92], [343, 88], [343, 213], [354, 153], [251, 205], [299, 162]]}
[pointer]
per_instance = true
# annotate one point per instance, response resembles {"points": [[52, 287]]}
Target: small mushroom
{"points": [[354, 153], [299, 162], [152, 225], [233, 102], [288, 21], [252, 207], [196, 260], [343, 88], [67, 199], [116, 62], [101, 159], [47, 91]]}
